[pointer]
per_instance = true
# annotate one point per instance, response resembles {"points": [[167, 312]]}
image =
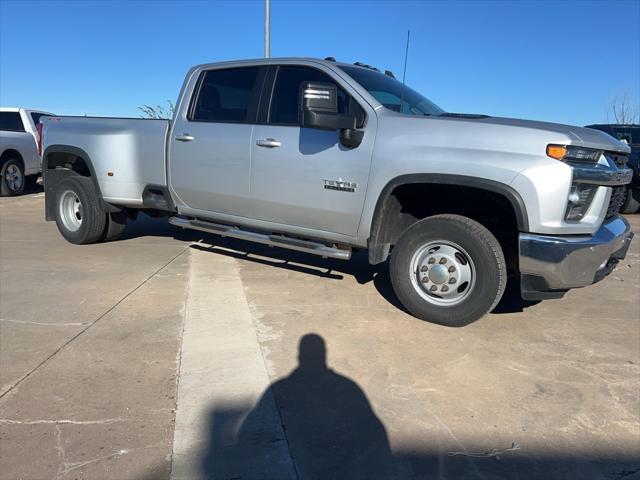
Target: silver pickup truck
{"points": [[328, 158]]}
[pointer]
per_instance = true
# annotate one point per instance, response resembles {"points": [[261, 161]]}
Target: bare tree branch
{"points": [[622, 110], [158, 112]]}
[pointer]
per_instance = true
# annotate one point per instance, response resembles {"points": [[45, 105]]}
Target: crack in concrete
{"points": [[44, 323], [107, 312], [65, 466], [105, 421], [470, 460]]}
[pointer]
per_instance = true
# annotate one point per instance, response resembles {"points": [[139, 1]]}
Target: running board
{"points": [[282, 241]]}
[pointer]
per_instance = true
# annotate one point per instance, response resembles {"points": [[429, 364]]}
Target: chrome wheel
{"points": [[70, 211], [13, 178], [442, 273]]}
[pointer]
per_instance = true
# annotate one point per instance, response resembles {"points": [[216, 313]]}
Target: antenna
{"points": [[404, 73]]}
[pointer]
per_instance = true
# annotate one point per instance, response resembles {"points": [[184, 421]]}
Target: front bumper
{"points": [[550, 265]]}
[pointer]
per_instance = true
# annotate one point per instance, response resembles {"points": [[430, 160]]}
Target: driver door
{"points": [[296, 172]]}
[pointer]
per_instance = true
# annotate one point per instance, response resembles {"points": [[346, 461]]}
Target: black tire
{"points": [[115, 225], [91, 219], [12, 179], [487, 263], [631, 203]]}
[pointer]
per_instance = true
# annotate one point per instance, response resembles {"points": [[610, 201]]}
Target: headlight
{"points": [[572, 153], [579, 200]]}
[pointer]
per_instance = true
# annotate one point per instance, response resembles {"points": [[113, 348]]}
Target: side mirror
{"points": [[319, 102]]}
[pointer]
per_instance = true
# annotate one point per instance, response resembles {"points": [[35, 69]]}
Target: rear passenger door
{"points": [[293, 169], [210, 154]]}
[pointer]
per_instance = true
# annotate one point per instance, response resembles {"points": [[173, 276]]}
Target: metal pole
{"points": [[266, 28], [404, 72]]}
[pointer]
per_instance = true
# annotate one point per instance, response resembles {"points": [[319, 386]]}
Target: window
{"points": [[631, 135], [285, 103], [11, 121], [35, 116], [227, 96], [388, 91]]}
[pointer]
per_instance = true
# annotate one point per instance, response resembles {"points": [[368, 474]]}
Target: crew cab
{"points": [[329, 158], [19, 156]]}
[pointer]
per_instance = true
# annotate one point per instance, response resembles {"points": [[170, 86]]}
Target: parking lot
{"points": [[178, 354]]}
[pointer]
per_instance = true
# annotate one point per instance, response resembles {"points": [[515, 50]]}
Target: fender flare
{"points": [[51, 178], [379, 249]]}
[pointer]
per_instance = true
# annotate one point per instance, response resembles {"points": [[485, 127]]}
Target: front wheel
{"points": [[78, 215], [448, 269]]}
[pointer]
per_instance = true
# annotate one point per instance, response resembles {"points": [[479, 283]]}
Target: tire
{"points": [[115, 225], [12, 179], [631, 204], [452, 254], [78, 215]]}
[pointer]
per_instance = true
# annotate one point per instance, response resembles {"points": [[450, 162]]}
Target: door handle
{"points": [[268, 143], [185, 137]]}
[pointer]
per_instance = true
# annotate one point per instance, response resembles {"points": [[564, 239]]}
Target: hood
{"points": [[586, 137]]}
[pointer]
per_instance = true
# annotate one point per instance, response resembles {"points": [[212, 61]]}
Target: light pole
{"points": [[266, 28]]}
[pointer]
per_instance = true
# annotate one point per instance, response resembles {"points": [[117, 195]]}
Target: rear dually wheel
{"points": [[78, 215]]}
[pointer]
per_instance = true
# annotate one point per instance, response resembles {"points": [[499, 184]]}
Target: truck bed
{"points": [[127, 154]]}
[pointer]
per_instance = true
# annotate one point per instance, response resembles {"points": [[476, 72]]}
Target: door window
{"points": [[11, 121], [228, 96], [285, 102]]}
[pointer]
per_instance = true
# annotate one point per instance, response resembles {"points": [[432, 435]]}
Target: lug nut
{"points": [[445, 288], [431, 261], [452, 269], [443, 261], [424, 268], [425, 280], [433, 288], [452, 280]]}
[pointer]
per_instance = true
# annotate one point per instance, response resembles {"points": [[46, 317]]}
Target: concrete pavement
{"points": [[89, 342], [291, 366]]}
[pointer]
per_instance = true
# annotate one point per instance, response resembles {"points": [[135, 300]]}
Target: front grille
{"points": [[617, 193], [617, 199]]}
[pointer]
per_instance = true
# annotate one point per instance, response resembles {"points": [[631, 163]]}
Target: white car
{"points": [[20, 160]]}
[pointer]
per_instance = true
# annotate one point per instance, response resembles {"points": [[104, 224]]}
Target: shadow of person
{"points": [[330, 429]]}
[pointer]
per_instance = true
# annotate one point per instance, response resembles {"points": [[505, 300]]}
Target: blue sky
{"points": [[557, 61]]}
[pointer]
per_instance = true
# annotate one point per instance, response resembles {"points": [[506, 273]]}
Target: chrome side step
{"points": [[282, 241]]}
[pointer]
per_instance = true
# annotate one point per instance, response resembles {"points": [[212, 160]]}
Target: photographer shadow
{"points": [[314, 423]]}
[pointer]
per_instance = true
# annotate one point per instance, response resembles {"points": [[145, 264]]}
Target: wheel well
{"points": [[68, 161], [406, 204], [11, 153], [56, 166]]}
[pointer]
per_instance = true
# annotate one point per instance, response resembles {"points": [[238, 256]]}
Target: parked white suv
{"points": [[20, 159]]}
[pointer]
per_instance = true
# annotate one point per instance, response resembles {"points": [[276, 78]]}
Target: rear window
{"points": [[631, 135], [11, 121], [229, 95]]}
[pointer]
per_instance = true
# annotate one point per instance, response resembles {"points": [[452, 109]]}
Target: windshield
{"points": [[388, 91]]}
